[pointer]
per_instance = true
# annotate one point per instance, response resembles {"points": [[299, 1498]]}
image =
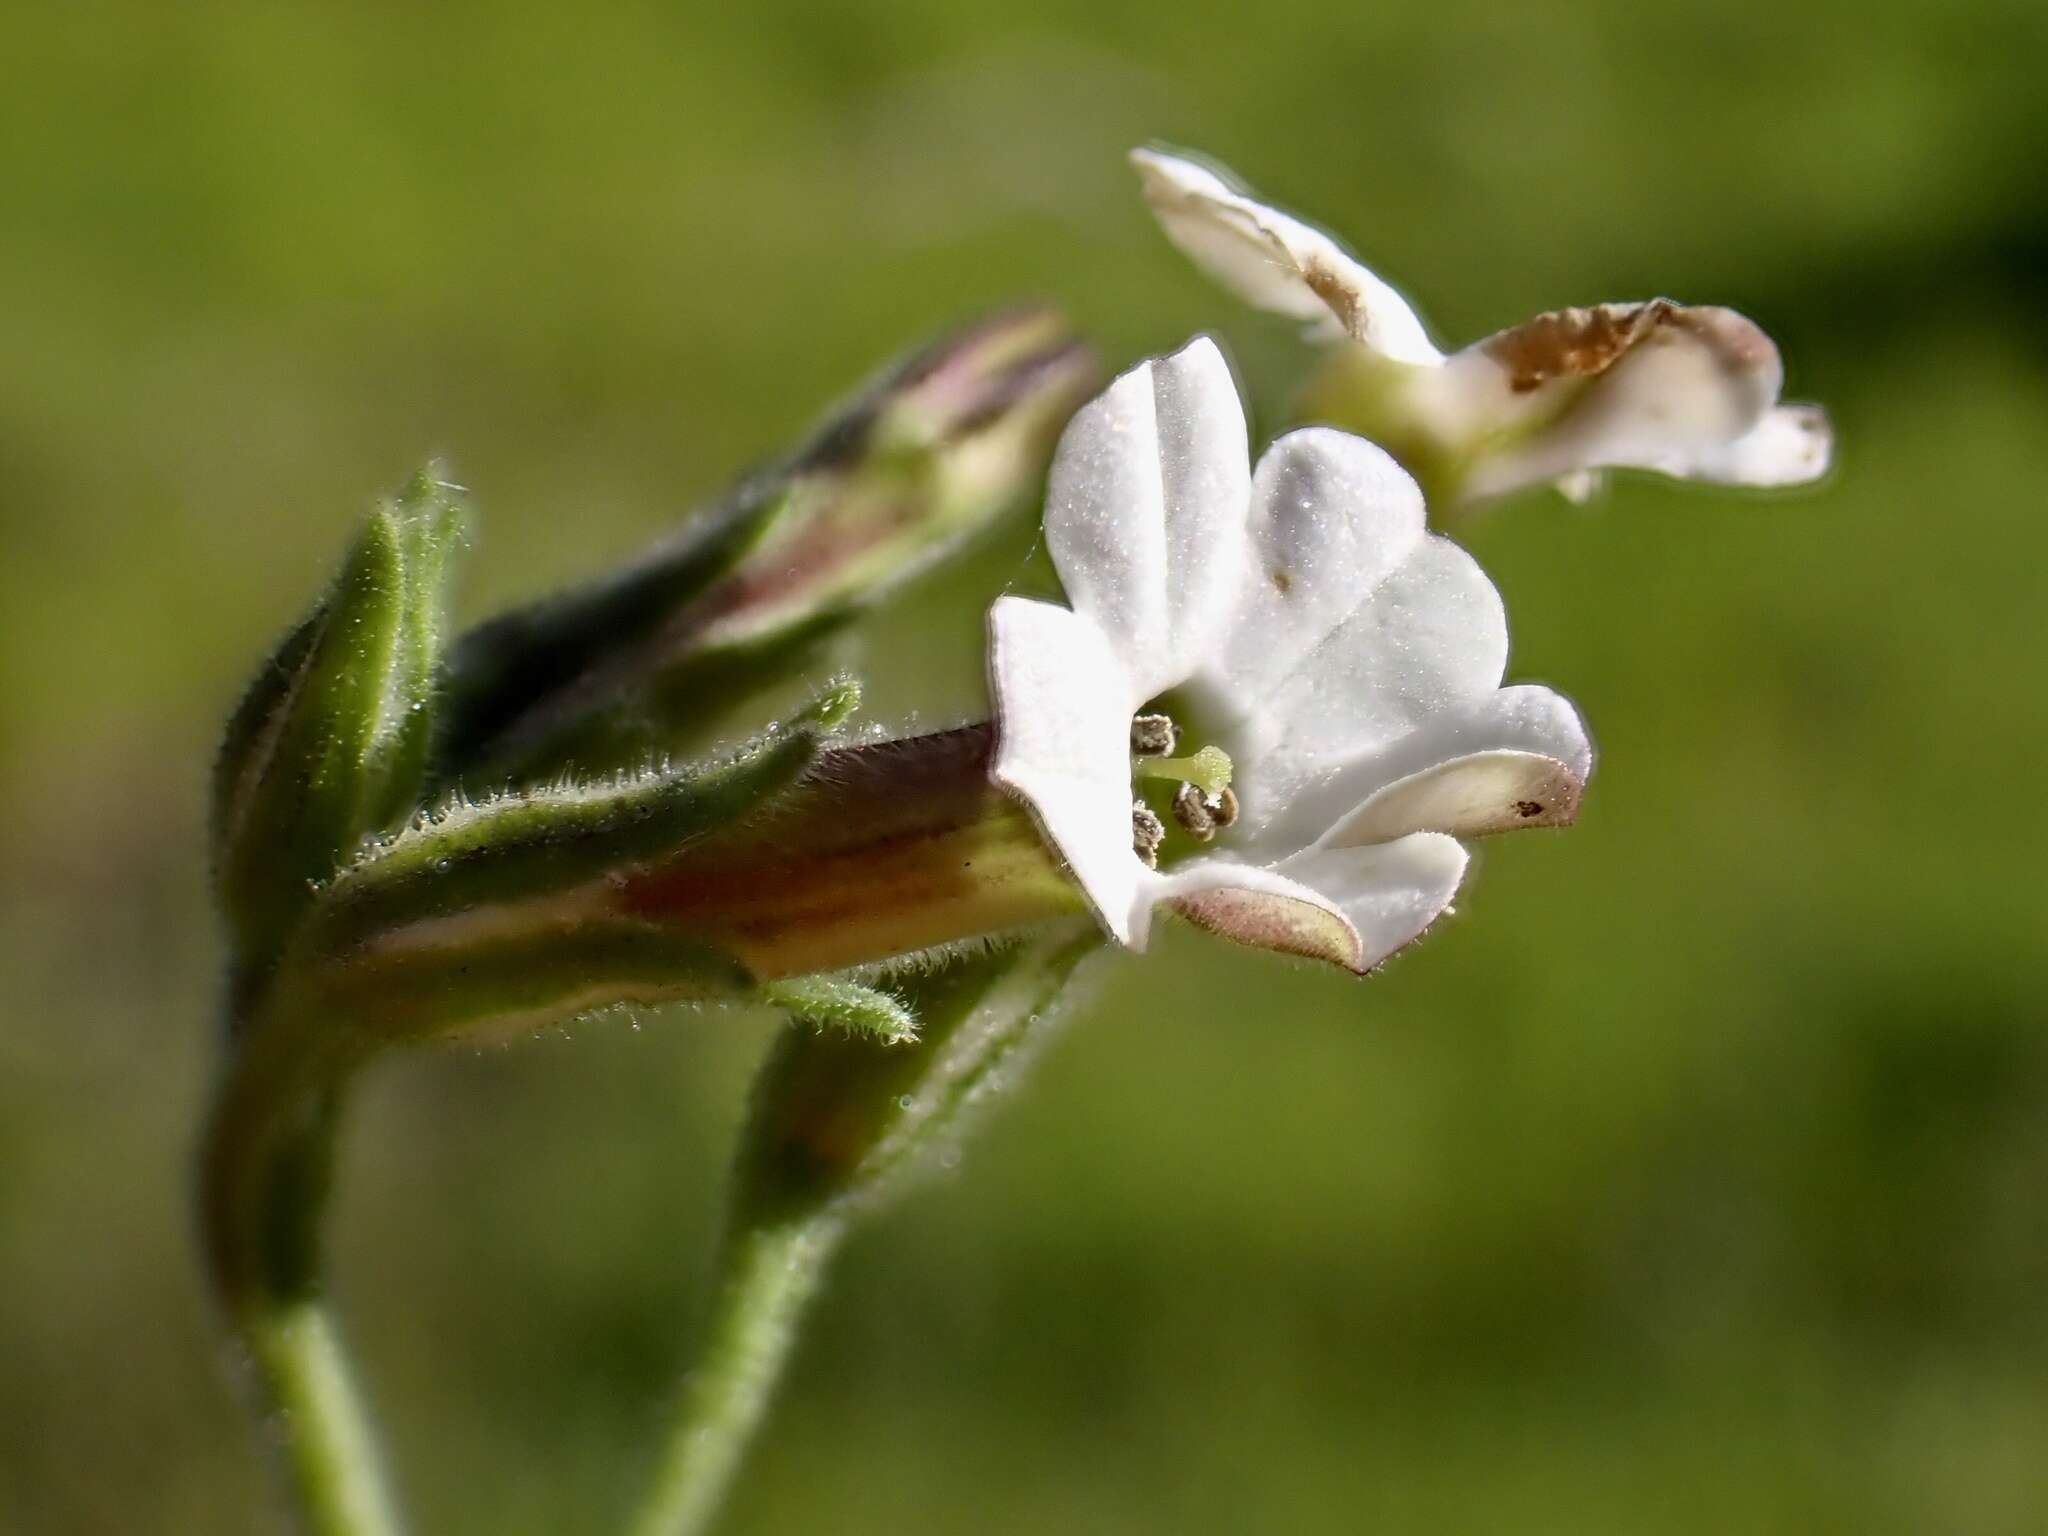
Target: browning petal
{"points": [[1585, 341], [1268, 920]]}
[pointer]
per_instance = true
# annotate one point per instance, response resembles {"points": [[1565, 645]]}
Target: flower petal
{"points": [[1466, 797], [1349, 906], [1792, 445], [1144, 512], [1656, 386], [1390, 893], [1276, 262], [1063, 717], [1374, 628], [1332, 517], [1527, 720], [1264, 910]]}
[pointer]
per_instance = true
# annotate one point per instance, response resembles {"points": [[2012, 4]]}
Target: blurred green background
{"points": [[1694, 1179]]}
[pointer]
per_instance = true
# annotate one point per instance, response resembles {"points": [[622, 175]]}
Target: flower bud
{"points": [[744, 877], [918, 462]]}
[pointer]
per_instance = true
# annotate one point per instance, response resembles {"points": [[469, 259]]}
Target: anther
{"points": [[1223, 809], [1147, 833], [1191, 810], [1153, 735]]}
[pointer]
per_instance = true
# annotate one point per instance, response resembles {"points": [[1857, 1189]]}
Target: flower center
{"points": [[1203, 803]]}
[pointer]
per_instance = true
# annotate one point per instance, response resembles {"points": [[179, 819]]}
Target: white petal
{"points": [[1527, 720], [1655, 386], [1792, 445], [1466, 797], [1063, 720], [1145, 512], [1277, 263], [1390, 893], [1332, 517], [1257, 907], [1427, 641]]}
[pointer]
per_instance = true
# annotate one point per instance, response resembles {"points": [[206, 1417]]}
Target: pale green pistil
{"points": [[1203, 803], [1208, 770]]}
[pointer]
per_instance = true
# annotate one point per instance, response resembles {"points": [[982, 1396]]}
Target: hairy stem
{"points": [[264, 1177], [771, 1271], [838, 1123]]}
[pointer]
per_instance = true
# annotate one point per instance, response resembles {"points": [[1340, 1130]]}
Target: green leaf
{"points": [[330, 743]]}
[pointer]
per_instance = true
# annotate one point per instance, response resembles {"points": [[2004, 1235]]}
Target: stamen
{"points": [[1147, 833], [1191, 810], [1153, 735], [1223, 809]]}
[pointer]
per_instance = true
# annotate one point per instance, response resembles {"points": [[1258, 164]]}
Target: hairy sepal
{"points": [[329, 745]]}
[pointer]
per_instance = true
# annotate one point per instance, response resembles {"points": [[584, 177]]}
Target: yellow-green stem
{"points": [[837, 1124], [263, 1189], [324, 1439], [769, 1275]]}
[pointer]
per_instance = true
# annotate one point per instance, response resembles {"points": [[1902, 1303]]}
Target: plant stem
{"points": [[327, 1449], [771, 1272], [836, 1125], [264, 1177]]}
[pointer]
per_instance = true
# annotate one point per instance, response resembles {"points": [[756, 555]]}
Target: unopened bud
{"points": [[916, 464]]}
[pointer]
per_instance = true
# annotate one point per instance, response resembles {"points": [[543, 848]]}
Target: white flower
{"points": [[1346, 660], [1684, 391]]}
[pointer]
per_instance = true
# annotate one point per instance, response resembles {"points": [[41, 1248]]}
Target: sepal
{"points": [[537, 849], [330, 743], [494, 985], [835, 1002]]}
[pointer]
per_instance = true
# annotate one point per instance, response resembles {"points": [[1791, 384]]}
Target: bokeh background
{"points": [[1695, 1179]]}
